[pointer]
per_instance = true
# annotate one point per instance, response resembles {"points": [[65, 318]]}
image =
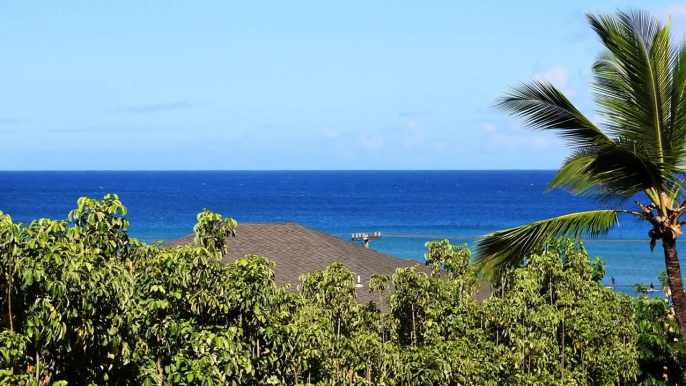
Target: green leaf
{"points": [[544, 107], [511, 246]]}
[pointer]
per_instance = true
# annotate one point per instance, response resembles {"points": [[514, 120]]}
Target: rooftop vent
{"points": [[365, 237]]}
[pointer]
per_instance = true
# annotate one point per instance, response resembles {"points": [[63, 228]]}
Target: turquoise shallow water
{"points": [[409, 207]]}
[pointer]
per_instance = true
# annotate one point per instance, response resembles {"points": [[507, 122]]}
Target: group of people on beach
{"points": [[651, 287]]}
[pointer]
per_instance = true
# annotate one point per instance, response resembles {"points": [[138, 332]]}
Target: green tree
{"points": [[181, 318], [554, 324], [661, 357], [67, 294], [83, 303], [211, 231], [333, 289], [639, 146], [379, 283]]}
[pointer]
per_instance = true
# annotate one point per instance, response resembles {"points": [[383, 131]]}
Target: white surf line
{"points": [[471, 238]]}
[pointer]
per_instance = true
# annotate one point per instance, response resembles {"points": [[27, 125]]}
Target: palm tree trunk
{"points": [[675, 284]]}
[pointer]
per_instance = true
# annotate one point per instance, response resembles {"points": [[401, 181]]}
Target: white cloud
{"points": [[527, 142], [440, 146], [413, 136], [559, 77], [498, 140], [330, 134], [450, 149], [488, 127], [540, 143], [371, 141]]}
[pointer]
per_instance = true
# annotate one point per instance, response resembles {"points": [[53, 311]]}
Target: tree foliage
{"points": [[83, 303]]}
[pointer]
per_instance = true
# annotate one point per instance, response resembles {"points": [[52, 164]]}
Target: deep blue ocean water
{"points": [[408, 207]]}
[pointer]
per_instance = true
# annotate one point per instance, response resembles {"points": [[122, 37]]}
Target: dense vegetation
{"points": [[83, 303]]}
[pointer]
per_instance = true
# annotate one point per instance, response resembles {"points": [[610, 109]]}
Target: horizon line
{"points": [[276, 170]]}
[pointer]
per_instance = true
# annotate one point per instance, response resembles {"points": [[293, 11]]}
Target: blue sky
{"points": [[132, 85]]}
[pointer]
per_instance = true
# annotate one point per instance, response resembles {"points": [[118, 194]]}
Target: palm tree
{"points": [[640, 146]]}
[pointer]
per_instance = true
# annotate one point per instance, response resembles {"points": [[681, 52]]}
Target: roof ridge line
{"points": [[362, 263], [328, 242]]}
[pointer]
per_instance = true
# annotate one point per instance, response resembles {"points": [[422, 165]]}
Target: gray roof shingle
{"points": [[297, 250]]}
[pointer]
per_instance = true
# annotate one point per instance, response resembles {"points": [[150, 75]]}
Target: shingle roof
{"points": [[297, 250]]}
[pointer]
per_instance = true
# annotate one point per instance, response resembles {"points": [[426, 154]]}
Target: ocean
{"points": [[408, 207]]}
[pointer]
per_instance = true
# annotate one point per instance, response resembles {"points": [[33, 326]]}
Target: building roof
{"points": [[297, 250]]}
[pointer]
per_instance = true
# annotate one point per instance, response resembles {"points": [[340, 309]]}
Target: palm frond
{"points": [[573, 176], [511, 246], [633, 78], [678, 105], [612, 173], [661, 58], [625, 169], [544, 107]]}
